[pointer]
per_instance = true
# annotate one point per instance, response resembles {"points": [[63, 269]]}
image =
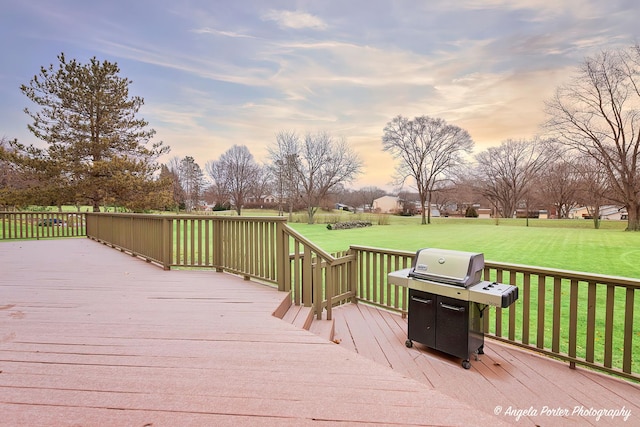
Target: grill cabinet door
{"points": [[422, 317], [453, 326]]}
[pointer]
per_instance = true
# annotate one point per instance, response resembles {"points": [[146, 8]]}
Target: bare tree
{"points": [[597, 114], [444, 196], [191, 180], [284, 158], [317, 165], [235, 173], [593, 186], [462, 193], [262, 185], [10, 179], [559, 185], [428, 149], [506, 172], [366, 196], [171, 173]]}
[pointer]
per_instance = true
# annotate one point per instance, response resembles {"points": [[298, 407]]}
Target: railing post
{"points": [[283, 272], [217, 244], [307, 277], [330, 280], [167, 237], [352, 274], [317, 287]]}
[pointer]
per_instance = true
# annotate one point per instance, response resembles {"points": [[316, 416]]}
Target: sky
{"points": [[217, 73]]}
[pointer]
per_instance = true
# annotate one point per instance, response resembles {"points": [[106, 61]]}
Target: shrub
{"points": [[471, 212], [383, 219], [348, 224]]}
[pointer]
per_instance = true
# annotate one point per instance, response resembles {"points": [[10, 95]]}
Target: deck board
{"points": [[505, 375], [92, 336]]}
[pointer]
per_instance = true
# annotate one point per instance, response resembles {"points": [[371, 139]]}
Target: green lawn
{"points": [[563, 244]]}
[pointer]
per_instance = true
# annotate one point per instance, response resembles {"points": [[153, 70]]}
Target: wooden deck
{"points": [[90, 336], [504, 377]]}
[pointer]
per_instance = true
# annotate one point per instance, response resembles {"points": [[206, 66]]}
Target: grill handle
{"points": [[424, 301], [451, 307]]}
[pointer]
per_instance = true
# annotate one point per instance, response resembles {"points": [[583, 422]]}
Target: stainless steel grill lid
{"points": [[447, 266]]}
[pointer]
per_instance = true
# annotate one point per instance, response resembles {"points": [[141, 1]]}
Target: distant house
{"points": [[615, 213], [484, 212], [268, 199], [579, 212], [387, 204]]}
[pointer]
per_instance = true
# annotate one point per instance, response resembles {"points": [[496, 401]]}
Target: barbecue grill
{"points": [[447, 298]]}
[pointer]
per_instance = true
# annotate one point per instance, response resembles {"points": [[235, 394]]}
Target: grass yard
{"points": [[561, 244]]}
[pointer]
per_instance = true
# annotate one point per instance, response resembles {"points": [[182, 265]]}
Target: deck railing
{"points": [[262, 248], [585, 319], [41, 225], [317, 278]]}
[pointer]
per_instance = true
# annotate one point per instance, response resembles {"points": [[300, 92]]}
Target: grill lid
{"points": [[447, 266]]}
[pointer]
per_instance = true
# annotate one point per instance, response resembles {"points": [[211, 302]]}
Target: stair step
{"points": [[299, 316], [323, 328], [283, 307], [303, 318]]}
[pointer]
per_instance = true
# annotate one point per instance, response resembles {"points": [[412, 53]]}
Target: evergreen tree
{"points": [[97, 148]]}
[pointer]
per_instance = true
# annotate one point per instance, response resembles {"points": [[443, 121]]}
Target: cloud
{"points": [[222, 33], [296, 20], [215, 76]]}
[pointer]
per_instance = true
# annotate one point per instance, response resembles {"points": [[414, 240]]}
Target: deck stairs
{"points": [[303, 318]]}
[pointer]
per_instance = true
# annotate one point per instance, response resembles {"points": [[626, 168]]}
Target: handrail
{"points": [[318, 278], [317, 249], [568, 315], [41, 225]]}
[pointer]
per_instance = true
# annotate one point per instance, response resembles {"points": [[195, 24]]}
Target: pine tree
{"points": [[97, 147]]}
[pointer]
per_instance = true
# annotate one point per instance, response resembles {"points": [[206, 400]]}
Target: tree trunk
{"points": [[428, 208], [311, 213], [595, 214], [633, 219], [423, 213]]}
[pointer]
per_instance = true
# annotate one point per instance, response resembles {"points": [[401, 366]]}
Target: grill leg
{"points": [[466, 364]]}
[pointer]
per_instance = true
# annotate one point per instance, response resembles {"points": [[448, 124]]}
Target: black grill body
{"points": [[446, 324], [447, 299]]}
